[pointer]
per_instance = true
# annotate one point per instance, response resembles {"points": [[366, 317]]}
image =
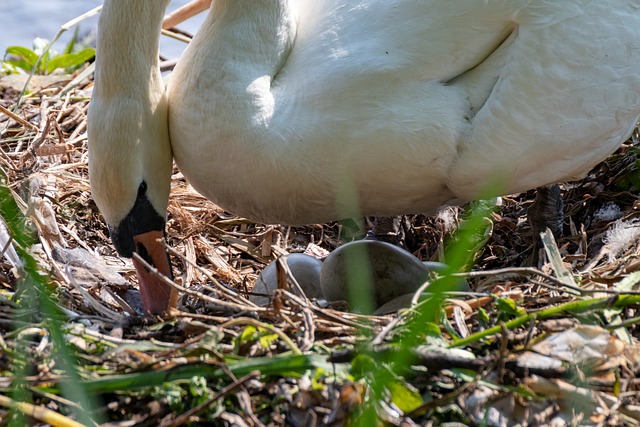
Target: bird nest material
{"points": [[527, 348]]}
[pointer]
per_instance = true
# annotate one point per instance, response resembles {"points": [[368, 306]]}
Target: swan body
{"points": [[305, 111]]}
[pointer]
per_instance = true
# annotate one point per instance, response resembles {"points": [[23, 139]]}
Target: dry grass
{"points": [[43, 155]]}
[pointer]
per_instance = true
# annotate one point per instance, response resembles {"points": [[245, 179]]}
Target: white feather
{"points": [[304, 111]]}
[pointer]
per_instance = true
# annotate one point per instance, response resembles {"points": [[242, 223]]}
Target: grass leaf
{"points": [[70, 60], [284, 365], [24, 53]]}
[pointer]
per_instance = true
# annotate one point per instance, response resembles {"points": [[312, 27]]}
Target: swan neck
{"points": [[258, 31], [128, 136], [128, 43]]}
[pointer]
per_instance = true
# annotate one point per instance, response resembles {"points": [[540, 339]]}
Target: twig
{"points": [[244, 399], [308, 337], [588, 291], [18, 119], [229, 293], [523, 271], [39, 413], [437, 403], [89, 299], [196, 294], [624, 324], [329, 314], [574, 307], [185, 12], [386, 330]]}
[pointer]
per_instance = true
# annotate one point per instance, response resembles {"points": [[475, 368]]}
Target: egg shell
{"points": [[305, 269]]}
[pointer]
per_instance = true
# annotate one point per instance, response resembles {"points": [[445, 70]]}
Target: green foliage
{"points": [[280, 365], [405, 396], [508, 309], [171, 393], [42, 60], [182, 395], [199, 390], [35, 305], [630, 179], [483, 316], [252, 334]]}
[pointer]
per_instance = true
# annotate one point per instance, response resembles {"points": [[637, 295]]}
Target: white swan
{"points": [[305, 111]]}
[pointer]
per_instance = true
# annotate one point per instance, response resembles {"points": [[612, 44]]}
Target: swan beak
{"points": [[158, 298]]}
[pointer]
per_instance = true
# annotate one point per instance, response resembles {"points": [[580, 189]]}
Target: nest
{"points": [[222, 360]]}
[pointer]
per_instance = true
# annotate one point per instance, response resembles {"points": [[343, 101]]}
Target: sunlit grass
{"points": [[35, 306]]}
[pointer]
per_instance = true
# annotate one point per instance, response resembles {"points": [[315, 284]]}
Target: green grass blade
{"points": [[24, 53], [70, 60], [32, 293], [286, 365]]}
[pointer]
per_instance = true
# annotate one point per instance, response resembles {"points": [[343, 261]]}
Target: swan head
{"points": [[130, 166]]}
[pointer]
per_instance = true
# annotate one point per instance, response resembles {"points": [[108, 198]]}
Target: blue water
{"points": [[24, 20]]}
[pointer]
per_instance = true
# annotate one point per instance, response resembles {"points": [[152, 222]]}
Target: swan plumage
{"points": [[305, 111]]}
